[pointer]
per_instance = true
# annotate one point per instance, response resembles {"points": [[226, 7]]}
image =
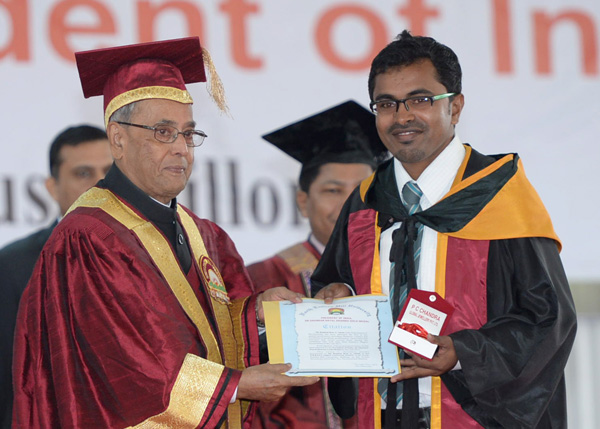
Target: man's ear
{"points": [[116, 137], [457, 105], [51, 187], [302, 202]]}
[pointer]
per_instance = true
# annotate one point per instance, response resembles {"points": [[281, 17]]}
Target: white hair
{"points": [[124, 113]]}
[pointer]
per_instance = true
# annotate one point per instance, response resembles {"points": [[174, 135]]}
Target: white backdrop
{"points": [[531, 84]]}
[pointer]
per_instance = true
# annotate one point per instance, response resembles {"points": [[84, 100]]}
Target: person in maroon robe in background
{"points": [[139, 313], [338, 148]]}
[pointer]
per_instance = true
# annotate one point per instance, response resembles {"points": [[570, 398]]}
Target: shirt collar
{"points": [[437, 178], [169, 205], [319, 247]]}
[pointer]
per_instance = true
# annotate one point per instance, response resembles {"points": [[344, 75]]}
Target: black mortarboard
{"points": [[344, 133]]}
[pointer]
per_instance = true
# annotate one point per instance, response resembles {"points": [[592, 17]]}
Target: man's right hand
{"points": [[268, 383], [332, 291]]}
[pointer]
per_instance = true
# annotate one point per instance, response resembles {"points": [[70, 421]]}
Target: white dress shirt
{"points": [[435, 182], [319, 247]]}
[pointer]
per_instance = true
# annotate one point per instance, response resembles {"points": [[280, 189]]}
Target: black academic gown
{"points": [[17, 260], [499, 250]]}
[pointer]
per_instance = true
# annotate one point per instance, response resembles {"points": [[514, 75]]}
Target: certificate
{"points": [[346, 338]]}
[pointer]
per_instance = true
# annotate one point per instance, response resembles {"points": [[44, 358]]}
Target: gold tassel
{"points": [[214, 85]]}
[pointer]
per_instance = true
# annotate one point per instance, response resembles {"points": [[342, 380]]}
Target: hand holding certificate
{"points": [[346, 338]]}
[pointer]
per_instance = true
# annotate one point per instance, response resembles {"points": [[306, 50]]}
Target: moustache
{"points": [[403, 127]]}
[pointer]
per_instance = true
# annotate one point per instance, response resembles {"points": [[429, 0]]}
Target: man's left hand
{"points": [[280, 293], [443, 361]]}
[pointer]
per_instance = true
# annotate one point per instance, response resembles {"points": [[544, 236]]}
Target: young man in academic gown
{"points": [[486, 244], [338, 148], [140, 314]]}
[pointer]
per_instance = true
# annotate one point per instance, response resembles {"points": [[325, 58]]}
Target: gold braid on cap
{"points": [[146, 93], [214, 86]]}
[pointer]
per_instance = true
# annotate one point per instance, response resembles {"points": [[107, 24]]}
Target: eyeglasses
{"points": [[387, 106], [168, 134]]}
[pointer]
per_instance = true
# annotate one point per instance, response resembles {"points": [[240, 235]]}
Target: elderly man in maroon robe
{"points": [[140, 314]]}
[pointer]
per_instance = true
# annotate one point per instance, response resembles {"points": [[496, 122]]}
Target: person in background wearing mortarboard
{"points": [[79, 157], [338, 148], [138, 313]]}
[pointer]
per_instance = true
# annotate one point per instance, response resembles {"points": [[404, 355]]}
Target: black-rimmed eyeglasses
{"points": [[168, 134], [420, 102]]}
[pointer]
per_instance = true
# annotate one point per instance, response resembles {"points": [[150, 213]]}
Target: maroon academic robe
{"points": [[292, 268], [112, 333], [303, 407]]}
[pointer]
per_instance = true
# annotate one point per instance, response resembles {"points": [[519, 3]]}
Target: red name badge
{"points": [[423, 313]]}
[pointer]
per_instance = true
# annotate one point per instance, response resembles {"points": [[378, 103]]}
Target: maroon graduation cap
{"points": [[126, 74]]}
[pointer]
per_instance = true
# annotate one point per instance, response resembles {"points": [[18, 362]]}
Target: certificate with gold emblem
{"points": [[346, 338]]}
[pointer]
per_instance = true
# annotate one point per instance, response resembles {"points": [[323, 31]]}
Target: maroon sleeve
{"points": [[274, 272]]}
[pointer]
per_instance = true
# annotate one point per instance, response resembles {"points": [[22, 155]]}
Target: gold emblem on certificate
{"points": [[214, 281]]}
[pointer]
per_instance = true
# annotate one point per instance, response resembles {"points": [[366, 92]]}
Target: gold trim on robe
{"points": [[221, 312], [516, 211], [299, 259], [440, 288], [188, 399]]}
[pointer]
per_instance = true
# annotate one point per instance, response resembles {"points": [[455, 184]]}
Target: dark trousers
{"points": [[424, 418]]}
